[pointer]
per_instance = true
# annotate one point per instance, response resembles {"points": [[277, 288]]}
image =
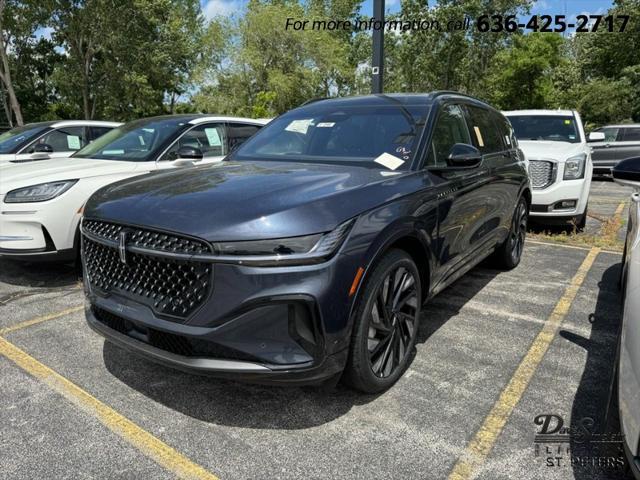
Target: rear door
{"points": [[462, 207], [492, 135]]}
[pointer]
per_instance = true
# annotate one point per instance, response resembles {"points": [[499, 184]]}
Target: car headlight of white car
{"points": [[574, 167], [39, 193]]}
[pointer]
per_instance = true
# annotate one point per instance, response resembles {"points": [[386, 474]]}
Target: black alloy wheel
{"points": [[509, 253], [386, 325]]}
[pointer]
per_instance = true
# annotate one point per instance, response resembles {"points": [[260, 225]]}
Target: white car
{"points": [[560, 167], [627, 173], [46, 140], [41, 202]]}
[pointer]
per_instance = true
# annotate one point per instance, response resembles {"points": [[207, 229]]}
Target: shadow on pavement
{"points": [[238, 404], [592, 458], [37, 275]]}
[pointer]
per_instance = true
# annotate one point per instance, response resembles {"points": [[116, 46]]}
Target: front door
{"points": [[462, 206]]}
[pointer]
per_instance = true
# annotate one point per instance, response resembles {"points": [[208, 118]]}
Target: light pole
{"points": [[377, 64]]}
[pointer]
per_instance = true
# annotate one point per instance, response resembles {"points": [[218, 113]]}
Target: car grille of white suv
{"points": [[541, 173]]}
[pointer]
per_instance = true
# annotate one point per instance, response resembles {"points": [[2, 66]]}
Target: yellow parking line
{"points": [[482, 443], [620, 209], [149, 445], [575, 247], [37, 320]]}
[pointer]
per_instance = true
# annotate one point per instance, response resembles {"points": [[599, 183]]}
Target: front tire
{"points": [[507, 256], [385, 324]]}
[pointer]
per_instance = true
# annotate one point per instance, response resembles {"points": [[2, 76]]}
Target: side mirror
{"points": [[627, 172], [462, 155], [596, 137], [191, 153]]}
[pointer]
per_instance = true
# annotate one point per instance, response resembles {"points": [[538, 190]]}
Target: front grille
{"points": [[144, 238], [169, 342], [541, 173], [172, 288]]}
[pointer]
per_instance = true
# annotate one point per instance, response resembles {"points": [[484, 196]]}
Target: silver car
{"points": [[612, 144], [627, 173]]}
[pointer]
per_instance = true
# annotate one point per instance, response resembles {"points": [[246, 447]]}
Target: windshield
{"points": [[137, 141], [13, 140], [340, 134], [557, 128]]}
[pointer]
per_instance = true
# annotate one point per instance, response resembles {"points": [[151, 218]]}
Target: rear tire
{"points": [[385, 324], [507, 256]]}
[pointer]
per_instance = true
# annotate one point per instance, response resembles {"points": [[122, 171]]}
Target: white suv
{"points": [[41, 202], [46, 140], [560, 165]]}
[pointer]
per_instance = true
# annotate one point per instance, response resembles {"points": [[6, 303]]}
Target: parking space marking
{"points": [[145, 442], [44, 318], [575, 247], [482, 443], [620, 209]]}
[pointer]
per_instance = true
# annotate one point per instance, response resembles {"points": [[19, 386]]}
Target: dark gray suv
{"points": [[620, 142], [308, 251]]}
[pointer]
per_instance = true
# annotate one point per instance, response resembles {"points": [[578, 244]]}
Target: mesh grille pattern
{"points": [[145, 238], [541, 173], [169, 287], [178, 344]]}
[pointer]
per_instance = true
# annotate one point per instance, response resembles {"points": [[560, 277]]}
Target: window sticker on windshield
{"points": [[141, 138], [299, 126], [567, 122], [325, 124], [73, 142], [389, 161], [572, 137], [479, 136], [213, 137], [113, 152]]}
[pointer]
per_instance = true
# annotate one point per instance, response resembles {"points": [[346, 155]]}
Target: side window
{"points": [[450, 129], [485, 130], [239, 133], [506, 131], [610, 134], [97, 132], [210, 138], [63, 139], [631, 135]]}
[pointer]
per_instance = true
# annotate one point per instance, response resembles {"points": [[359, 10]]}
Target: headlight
{"points": [[574, 167], [39, 193], [284, 251]]}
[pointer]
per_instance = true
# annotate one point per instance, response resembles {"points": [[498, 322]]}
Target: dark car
{"points": [[310, 250], [619, 143]]}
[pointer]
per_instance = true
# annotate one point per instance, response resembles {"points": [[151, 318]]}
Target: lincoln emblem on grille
{"points": [[122, 247]]}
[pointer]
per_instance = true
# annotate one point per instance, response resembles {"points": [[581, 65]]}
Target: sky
{"points": [[571, 8]]}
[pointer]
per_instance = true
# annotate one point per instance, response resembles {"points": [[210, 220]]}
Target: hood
{"points": [[543, 149], [248, 200], [17, 175]]}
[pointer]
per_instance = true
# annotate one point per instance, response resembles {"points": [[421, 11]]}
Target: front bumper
{"points": [[314, 371], [544, 201], [40, 231]]}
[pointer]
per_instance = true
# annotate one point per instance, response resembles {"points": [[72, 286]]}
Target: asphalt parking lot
{"points": [[496, 350]]}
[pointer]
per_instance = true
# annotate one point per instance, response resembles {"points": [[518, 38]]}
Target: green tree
{"points": [[127, 59], [522, 75], [19, 20]]}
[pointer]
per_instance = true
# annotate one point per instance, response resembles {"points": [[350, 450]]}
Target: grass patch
{"points": [[606, 238]]}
